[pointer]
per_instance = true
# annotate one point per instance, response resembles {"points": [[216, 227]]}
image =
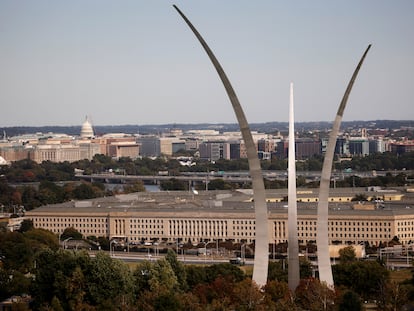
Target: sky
{"points": [[137, 62]]}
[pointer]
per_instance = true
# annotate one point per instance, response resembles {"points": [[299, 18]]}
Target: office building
{"points": [[221, 215]]}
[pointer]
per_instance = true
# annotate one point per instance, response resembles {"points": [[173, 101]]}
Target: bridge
{"points": [[236, 177], [155, 179]]}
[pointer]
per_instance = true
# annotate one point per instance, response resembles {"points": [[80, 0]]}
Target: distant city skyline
{"points": [[135, 62]]}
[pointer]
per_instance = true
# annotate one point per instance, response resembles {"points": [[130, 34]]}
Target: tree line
{"points": [[30, 171], [32, 263], [29, 184]]}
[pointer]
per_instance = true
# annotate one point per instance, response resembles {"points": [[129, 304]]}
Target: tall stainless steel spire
{"points": [[261, 258], [322, 238], [293, 244]]}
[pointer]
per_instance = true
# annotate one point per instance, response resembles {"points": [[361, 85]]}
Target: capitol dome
{"points": [[86, 130]]}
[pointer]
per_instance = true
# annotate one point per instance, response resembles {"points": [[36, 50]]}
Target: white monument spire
{"points": [[293, 245]]}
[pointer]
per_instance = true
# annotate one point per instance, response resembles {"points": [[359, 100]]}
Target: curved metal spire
{"points": [[293, 244], [322, 238], [261, 259]]}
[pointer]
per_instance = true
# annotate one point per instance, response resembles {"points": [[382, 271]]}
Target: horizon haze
{"points": [[137, 63]]}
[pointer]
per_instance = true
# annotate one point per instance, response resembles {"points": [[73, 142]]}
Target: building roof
{"points": [[206, 202]]}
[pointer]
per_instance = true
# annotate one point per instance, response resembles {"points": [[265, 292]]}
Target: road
{"points": [[187, 259]]}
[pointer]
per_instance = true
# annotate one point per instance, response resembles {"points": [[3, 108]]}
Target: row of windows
{"points": [[71, 220], [155, 221], [85, 232], [353, 226], [363, 229], [405, 223], [146, 232], [197, 222], [146, 226], [219, 228], [357, 223], [245, 222], [340, 235], [244, 228], [404, 229], [44, 225]]}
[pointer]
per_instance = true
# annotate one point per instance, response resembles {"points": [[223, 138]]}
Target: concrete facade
{"points": [[226, 216]]}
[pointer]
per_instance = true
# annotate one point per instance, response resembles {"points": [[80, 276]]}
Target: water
{"points": [[149, 188]]}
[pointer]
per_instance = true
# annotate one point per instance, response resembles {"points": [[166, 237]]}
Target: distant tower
{"points": [[87, 130]]}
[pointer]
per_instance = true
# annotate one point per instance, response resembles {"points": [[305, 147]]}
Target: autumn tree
{"points": [[313, 295], [393, 296]]}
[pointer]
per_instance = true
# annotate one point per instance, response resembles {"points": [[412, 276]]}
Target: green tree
{"points": [[347, 254], [362, 277], [84, 191], [109, 282], [12, 283], [53, 270], [40, 239], [195, 275], [228, 271], [71, 232], [16, 252], [173, 184], [219, 184], [350, 302], [26, 225], [135, 187], [141, 277], [162, 277], [178, 268], [49, 193], [277, 271]]}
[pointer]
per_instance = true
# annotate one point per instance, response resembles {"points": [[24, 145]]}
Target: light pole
{"points": [[111, 250], [205, 251]]}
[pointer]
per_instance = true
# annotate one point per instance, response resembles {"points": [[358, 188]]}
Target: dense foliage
{"points": [[31, 262], [29, 171]]}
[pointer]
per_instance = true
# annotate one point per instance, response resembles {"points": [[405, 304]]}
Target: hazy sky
{"points": [[137, 62]]}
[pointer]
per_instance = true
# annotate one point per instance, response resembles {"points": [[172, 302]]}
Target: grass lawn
{"points": [[401, 275]]}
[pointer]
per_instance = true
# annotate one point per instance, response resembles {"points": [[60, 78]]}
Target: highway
{"points": [[186, 258], [239, 177]]}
